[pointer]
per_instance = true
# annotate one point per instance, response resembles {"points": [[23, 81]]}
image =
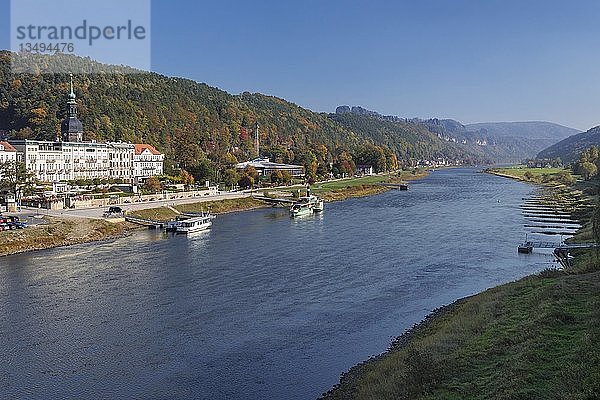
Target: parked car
{"points": [[113, 211]]}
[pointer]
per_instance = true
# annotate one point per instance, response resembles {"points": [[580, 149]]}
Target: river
{"points": [[261, 306]]}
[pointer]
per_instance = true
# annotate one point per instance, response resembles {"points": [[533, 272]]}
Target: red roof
{"points": [[139, 149], [7, 146]]}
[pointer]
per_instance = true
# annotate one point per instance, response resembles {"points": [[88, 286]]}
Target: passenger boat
{"points": [[306, 205], [194, 224]]}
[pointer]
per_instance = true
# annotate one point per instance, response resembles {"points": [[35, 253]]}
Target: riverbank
{"points": [[215, 207], [57, 232], [365, 186], [543, 176], [338, 190], [533, 338], [536, 338]]}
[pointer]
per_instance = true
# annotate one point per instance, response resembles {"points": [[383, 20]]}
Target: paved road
{"points": [[96, 212]]}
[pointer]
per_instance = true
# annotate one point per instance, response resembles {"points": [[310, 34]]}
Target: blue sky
{"points": [[473, 61]]}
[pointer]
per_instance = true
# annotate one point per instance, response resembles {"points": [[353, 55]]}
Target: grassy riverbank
{"points": [[363, 186], [536, 338], [329, 191], [546, 176], [55, 232], [215, 207]]}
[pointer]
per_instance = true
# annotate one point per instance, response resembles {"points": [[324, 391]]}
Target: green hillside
{"points": [[488, 142], [527, 129], [569, 149], [204, 129]]}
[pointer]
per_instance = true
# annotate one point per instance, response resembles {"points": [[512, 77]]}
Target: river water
{"points": [[261, 306]]}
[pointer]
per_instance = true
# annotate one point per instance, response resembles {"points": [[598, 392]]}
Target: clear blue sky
{"points": [[474, 61]]}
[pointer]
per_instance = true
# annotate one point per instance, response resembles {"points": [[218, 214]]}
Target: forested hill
{"points": [[204, 129], [408, 139], [191, 122], [527, 129], [569, 149], [495, 142]]}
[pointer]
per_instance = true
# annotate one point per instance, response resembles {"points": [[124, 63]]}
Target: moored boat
{"points": [[194, 224], [306, 205]]}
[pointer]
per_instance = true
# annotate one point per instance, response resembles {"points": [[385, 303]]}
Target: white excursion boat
{"points": [[194, 224], [306, 205]]}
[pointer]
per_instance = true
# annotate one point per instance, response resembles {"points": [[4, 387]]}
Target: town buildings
{"points": [[147, 162], [7, 152], [70, 158]]}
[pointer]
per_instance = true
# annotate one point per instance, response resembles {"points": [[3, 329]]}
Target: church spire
{"points": [[72, 128], [72, 94]]}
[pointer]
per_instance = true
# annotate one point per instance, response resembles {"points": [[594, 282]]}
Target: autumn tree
{"points": [[251, 172], [186, 178], [246, 181], [231, 177], [588, 170], [152, 185], [276, 176], [286, 177]]}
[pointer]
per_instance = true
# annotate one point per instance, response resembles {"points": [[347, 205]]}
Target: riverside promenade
{"points": [[97, 212]]}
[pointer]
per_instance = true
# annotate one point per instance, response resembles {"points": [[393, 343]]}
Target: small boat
{"points": [[194, 224], [306, 205], [525, 248]]}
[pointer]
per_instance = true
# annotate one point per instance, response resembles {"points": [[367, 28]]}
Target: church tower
{"points": [[72, 128]]}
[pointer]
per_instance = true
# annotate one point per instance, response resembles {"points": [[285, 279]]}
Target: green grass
{"points": [[538, 338], [520, 170], [358, 187], [215, 207], [547, 176]]}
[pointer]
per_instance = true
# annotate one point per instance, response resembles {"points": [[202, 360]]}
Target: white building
{"points": [[7, 152], [121, 161], [70, 158], [67, 161], [264, 167], [147, 162]]}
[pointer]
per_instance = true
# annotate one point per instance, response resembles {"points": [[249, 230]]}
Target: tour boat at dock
{"points": [[193, 224], [306, 205]]}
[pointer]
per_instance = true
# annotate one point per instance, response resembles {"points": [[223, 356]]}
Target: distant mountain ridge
{"points": [[497, 142], [569, 149], [529, 129]]}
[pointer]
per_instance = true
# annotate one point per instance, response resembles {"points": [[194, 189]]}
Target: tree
{"points": [[204, 170], [246, 181], [286, 177], [231, 177], [186, 178], [16, 178], [588, 170], [152, 185], [276, 176], [251, 172], [565, 177], [229, 160]]}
